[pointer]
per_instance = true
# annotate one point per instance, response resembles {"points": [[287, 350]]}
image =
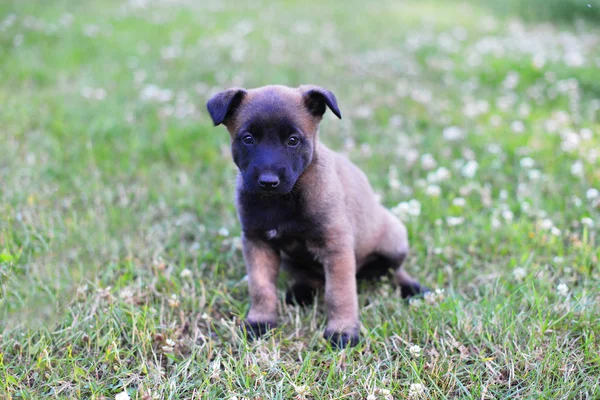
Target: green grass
{"points": [[547, 10], [115, 270]]}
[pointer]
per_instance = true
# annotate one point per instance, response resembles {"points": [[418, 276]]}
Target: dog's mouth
{"points": [[272, 193]]}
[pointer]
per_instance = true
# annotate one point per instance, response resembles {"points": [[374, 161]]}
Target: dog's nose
{"points": [[268, 180]]}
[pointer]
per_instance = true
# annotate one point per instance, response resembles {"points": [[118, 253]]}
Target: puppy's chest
{"points": [[285, 224]]}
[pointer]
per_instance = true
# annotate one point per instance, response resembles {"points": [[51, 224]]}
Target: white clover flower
{"points": [[574, 58], [524, 110], [586, 133], [428, 162], [236, 242], [454, 221], [365, 149], [433, 191], [504, 103], [570, 142], [401, 210], [429, 298], [470, 110], [546, 224], [173, 301], [383, 392], [126, 293], [495, 223], [416, 390], [363, 112], [100, 94], [459, 202], [469, 169], [405, 209], [440, 175], [422, 96], [396, 121], [539, 60], [494, 148], [453, 133], [122, 396], [562, 289], [87, 92], [393, 178], [81, 293], [415, 351], [411, 156], [511, 81], [215, 367], [495, 120], [519, 273], [592, 194], [534, 174], [152, 92], [440, 294], [223, 232], [302, 391], [577, 168], [415, 302], [414, 208], [517, 126], [588, 222], [527, 162], [170, 52], [555, 231], [91, 30], [349, 144], [18, 40], [394, 184], [507, 215], [371, 397], [185, 274]]}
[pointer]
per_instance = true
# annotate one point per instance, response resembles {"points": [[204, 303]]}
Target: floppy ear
{"points": [[223, 104], [316, 98]]}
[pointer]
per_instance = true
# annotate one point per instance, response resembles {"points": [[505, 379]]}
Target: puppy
{"points": [[305, 208]]}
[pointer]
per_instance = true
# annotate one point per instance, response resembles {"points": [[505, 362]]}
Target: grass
{"points": [[548, 10], [120, 267]]}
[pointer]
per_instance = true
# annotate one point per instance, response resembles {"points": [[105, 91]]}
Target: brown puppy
{"points": [[305, 208]]}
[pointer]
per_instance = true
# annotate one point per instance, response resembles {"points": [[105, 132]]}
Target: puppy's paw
{"points": [[341, 340], [408, 290], [255, 329], [300, 294]]}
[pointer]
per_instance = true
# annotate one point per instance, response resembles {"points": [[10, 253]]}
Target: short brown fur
{"points": [[356, 228]]}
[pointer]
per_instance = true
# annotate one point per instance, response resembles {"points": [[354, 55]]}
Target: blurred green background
{"points": [[120, 268]]}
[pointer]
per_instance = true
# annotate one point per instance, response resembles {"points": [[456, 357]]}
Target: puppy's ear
{"points": [[316, 98], [224, 104]]}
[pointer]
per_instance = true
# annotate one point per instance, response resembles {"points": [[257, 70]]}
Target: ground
{"points": [[120, 267]]}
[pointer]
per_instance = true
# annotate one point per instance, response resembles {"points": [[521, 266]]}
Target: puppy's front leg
{"points": [[262, 266], [341, 298]]}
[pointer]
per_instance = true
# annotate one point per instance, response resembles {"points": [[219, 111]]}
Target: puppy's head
{"points": [[273, 132]]}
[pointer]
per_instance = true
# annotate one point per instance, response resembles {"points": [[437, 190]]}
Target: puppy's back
{"points": [[360, 205]]}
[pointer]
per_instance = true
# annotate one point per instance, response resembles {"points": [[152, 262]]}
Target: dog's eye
{"points": [[248, 139], [293, 141]]}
